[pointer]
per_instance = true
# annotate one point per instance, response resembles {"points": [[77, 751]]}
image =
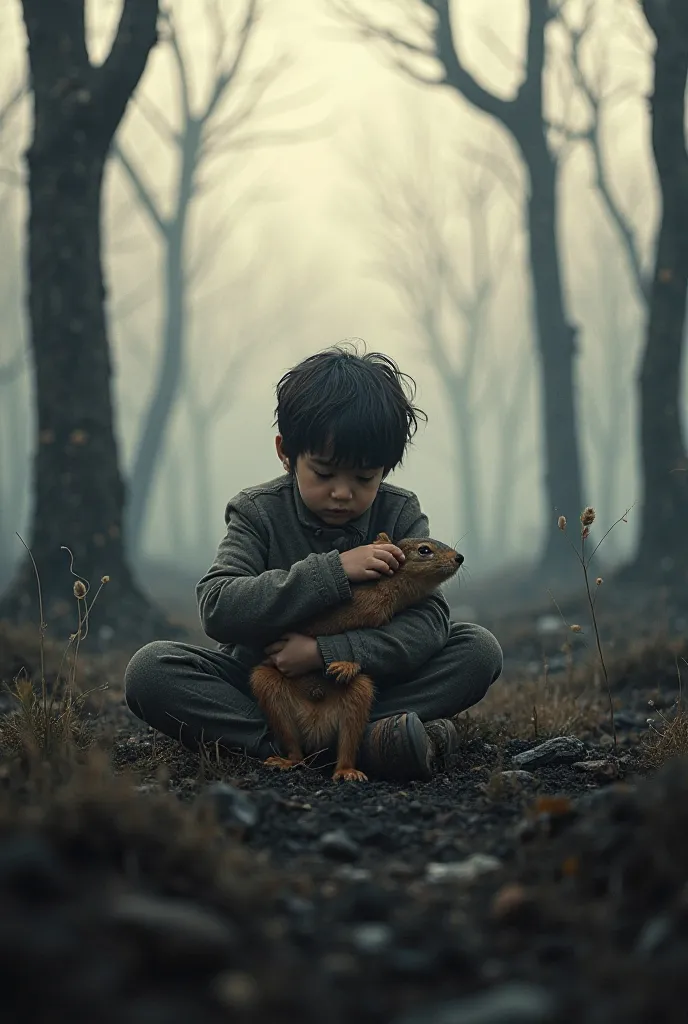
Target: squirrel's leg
{"points": [[355, 711], [271, 690], [343, 671]]}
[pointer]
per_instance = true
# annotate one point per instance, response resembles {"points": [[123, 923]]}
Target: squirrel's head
{"points": [[427, 558]]}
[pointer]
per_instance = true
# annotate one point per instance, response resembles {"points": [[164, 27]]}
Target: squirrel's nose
{"points": [[458, 558]]}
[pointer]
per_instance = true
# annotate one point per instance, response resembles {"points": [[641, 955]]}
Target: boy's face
{"points": [[336, 494]]}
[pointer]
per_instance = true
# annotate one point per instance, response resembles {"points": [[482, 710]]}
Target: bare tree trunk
{"points": [[205, 520], [467, 484], [78, 491], [663, 547], [147, 458], [557, 349], [176, 467]]}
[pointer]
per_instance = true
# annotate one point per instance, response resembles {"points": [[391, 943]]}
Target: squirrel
{"points": [[311, 711]]}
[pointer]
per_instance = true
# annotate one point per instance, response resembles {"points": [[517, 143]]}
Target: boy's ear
{"points": [[279, 448]]}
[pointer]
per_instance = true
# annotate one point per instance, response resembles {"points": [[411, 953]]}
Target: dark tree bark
{"points": [[523, 117], [663, 546], [78, 490]]}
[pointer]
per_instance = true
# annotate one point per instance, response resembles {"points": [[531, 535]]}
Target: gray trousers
{"points": [[197, 695]]}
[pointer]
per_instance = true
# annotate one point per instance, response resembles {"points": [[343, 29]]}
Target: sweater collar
{"points": [[313, 522]]}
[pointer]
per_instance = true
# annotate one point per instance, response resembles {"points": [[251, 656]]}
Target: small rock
{"points": [[349, 873], [519, 777], [464, 870], [604, 769], [654, 935], [509, 902], [371, 937], [558, 750], [337, 845], [232, 806], [174, 929], [512, 1003]]}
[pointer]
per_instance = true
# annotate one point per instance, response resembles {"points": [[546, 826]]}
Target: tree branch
{"points": [[224, 77], [592, 135], [119, 74], [172, 38], [143, 193], [11, 102], [157, 120]]}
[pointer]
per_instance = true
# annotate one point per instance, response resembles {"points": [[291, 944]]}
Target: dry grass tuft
{"points": [[536, 709], [47, 718], [667, 738]]}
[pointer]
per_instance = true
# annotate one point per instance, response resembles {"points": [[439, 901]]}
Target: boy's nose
{"points": [[341, 493]]}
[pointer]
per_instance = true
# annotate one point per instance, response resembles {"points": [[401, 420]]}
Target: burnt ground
{"points": [[141, 882]]}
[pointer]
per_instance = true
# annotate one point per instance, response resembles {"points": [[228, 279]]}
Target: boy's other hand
{"points": [[370, 561], [294, 655]]}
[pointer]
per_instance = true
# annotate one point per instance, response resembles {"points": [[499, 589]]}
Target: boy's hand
{"points": [[371, 561], [294, 655]]}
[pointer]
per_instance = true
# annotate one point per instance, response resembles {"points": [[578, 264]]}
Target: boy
{"points": [[294, 546]]}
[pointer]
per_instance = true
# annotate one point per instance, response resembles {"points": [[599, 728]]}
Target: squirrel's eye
{"points": [[424, 550]]}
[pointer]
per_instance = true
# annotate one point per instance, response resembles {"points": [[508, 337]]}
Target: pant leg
{"points": [[454, 679], [196, 696]]}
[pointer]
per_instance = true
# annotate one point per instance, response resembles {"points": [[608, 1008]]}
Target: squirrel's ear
{"points": [[382, 538]]}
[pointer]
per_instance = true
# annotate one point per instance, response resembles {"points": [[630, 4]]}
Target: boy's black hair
{"points": [[356, 408]]}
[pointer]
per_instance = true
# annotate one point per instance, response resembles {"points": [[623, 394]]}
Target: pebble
{"points": [[338, 845], [606, 769], [178, 928], [464, 870], [558, 750], [232, 806], [512, 1003], [519, 777], [371, 937]]}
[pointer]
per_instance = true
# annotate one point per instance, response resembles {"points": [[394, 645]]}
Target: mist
{"points": [[298, 237]]}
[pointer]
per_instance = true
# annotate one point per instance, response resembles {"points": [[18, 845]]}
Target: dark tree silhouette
{"points": [[78, 491], [523, 116], [663, 543]]}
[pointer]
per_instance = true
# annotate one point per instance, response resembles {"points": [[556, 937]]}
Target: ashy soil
{"points": [[143, 883]]}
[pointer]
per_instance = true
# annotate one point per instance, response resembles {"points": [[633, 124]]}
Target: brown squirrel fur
{"points": [[311, 711]]}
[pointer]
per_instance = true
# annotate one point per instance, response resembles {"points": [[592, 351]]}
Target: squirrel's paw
{"points": [[349, 775], [382, 538], [344, 671], [283, 763]]}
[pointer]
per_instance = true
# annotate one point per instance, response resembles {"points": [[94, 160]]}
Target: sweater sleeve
{"points": [[410, 639], [240, 601]]}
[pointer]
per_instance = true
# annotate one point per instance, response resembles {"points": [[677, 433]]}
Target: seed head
{"points": [[576, 628], [588, 516], [105, 579], [561, 522], [79, 590], [599, 581]]}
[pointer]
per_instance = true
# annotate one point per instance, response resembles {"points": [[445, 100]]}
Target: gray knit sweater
{"points": [[278, 565]]}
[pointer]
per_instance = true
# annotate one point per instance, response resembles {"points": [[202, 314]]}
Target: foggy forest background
{"points": [[278, 184]]}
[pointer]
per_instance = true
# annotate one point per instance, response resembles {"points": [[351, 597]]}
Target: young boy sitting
{"points": [[294, 546]]}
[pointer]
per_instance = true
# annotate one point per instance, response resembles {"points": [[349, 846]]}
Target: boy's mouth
{"points": [[337, 512]]}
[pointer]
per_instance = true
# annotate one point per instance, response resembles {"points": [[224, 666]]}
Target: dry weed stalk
{"points": [[41, 724], [587, 518]]}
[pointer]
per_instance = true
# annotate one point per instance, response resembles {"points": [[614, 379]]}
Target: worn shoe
{"points": [[397, 749], [444, 738]]}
